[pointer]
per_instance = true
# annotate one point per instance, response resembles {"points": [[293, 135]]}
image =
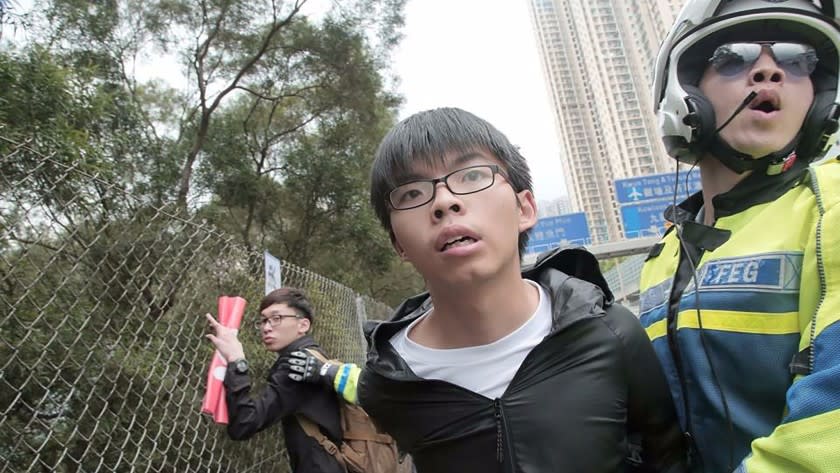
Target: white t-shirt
{"points": [[484, 369]]}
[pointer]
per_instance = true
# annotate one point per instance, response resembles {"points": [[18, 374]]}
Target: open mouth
{"points": [[766, 102], [458, 241], [765, 106]]}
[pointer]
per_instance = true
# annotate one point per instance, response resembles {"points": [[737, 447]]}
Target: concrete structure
{"points": [[597, 57], [607, 250], [550, 208]]}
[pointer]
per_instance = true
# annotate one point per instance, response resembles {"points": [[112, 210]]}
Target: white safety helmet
{"points": [[686, 117]]}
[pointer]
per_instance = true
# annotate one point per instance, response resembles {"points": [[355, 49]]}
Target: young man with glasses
{"points": [[496, 369], [742, 296], [285, 319]]}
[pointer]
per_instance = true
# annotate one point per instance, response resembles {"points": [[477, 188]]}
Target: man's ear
{"points": [[306, 324], [527, 210], [397, 247]]}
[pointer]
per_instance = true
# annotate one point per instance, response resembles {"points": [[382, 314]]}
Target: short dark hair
{"points": [[292, 297], [428, 136]]}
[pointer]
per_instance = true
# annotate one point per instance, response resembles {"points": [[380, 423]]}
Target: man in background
{"points": [[285, 317]]}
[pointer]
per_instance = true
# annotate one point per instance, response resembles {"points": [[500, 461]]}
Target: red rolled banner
{"points": [[231, 310]]}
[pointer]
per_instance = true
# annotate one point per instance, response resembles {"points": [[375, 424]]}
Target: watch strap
{"points": [[240, 365]]}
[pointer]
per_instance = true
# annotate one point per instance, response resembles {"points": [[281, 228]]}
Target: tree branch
{"points": [[207, 111]]}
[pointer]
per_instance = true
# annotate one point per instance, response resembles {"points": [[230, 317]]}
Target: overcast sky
{"points": [[482, 56]]}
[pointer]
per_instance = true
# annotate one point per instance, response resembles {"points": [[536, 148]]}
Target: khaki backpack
{"points": [[365, 448]]}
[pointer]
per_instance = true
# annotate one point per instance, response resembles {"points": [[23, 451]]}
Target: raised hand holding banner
{"points": [[231, 310]]}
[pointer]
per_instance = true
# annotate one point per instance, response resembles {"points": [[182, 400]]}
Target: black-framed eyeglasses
{"points": [[797, 59], [274, 320], [463, 181]]}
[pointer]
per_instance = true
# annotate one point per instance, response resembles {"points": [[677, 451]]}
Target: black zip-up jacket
{"points": [[589, 386], [281, 400]]}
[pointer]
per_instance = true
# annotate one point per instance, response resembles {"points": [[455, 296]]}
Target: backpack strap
{"points": [[316, 354], [357, 425], [311, 429]]}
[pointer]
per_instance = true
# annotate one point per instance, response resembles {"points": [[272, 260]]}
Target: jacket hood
{"points": [[576, 262]]}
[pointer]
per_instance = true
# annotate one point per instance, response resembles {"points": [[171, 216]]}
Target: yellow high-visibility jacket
{"points": [[753, 356]]}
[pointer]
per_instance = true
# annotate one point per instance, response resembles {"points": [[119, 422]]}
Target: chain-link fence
{"points": [[623, 279], [103, 358]]}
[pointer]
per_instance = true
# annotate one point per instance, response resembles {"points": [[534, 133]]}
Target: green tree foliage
{"points": [[270, 135], [265, 129]]}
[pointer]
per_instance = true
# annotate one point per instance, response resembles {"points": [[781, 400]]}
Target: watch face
{"points": [[241, 366]]}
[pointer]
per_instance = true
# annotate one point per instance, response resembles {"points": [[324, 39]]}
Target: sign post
{"points": [[643, 200], [561, 230], [273, 274]]}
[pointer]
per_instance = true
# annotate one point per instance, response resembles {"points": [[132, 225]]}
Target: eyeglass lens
{"points": [[796, 59], [273, 320], [463, 181]]}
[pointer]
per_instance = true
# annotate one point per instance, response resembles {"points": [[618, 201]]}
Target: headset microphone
{"points": [[743, 105]]}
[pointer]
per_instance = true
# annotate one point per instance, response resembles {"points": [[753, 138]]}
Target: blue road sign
{"points": [[655, 187], [644, 219], [565, 230]]}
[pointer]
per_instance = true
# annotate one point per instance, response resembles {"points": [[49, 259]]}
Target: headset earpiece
{"points": [[701, 116], [820, 123]]}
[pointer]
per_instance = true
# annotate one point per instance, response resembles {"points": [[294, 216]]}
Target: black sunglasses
{"points": [[796, 59]]}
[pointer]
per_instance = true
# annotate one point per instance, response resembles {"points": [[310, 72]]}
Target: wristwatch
{"points": [[240, 366]]}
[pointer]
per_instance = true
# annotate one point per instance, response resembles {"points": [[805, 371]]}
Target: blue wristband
{"points": [[342, 380]]}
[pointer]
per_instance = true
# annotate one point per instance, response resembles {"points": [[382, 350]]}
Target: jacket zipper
{"points": [[820, 271], [497, 409], [501, 434], [673, 311]]}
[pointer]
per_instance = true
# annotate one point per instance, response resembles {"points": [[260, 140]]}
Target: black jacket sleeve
{"points": [[651, 415], [249, 415]]}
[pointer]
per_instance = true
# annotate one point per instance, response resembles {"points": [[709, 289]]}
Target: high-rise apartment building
{"points": [[598, 57], [551, 208]]}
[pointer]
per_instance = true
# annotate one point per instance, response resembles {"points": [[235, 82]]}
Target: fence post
{"points": [[361, 315], [620, 281]]}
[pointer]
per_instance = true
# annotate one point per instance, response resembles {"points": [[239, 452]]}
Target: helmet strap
{"points": [[771, 164]]}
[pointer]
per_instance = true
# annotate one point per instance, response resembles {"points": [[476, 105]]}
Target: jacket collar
{"points": [[573, 280], [571, 277], [305, 341], [757, 188], [577, 262]]}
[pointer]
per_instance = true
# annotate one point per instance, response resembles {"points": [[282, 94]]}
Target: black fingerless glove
{"points": [[306, 368]]}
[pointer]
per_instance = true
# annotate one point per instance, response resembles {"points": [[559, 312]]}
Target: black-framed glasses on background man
{"points": [[461, 182], [274, 320], [797, 59]]}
